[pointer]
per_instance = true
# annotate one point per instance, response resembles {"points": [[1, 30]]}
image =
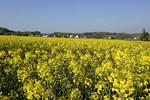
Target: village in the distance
{"points": [[85, 35]]}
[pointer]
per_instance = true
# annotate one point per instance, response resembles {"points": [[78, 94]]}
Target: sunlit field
{"points": [[73, 69]]}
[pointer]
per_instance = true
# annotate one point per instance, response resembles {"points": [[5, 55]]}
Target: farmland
{"points": [[74, 69]]}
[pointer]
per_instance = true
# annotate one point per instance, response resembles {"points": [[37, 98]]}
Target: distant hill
{"points": [[102, 35], [95, 35], [46, 33], [136, 34], [5, 31]]}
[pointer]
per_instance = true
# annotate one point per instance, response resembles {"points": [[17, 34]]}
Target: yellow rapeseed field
{"points": [[73, 69]]}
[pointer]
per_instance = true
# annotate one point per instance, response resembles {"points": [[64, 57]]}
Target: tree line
{"points": [[144, 36], [5, 31], [95, 35]]}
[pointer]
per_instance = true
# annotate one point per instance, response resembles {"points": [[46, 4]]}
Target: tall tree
{"points": [[144, 35]]}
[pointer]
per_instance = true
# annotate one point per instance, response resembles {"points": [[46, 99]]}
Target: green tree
{"points": [[144, 35], [4, 30]]}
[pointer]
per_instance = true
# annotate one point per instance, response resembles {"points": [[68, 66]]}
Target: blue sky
{"points": [[49, 16]]}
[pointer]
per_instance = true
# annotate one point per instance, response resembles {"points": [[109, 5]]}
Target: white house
{"points": [[45, 35], [76, 36], [135, 38], [71, 36]]}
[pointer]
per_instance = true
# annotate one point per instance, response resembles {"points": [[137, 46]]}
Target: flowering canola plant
{"points": [[75, 69]]}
